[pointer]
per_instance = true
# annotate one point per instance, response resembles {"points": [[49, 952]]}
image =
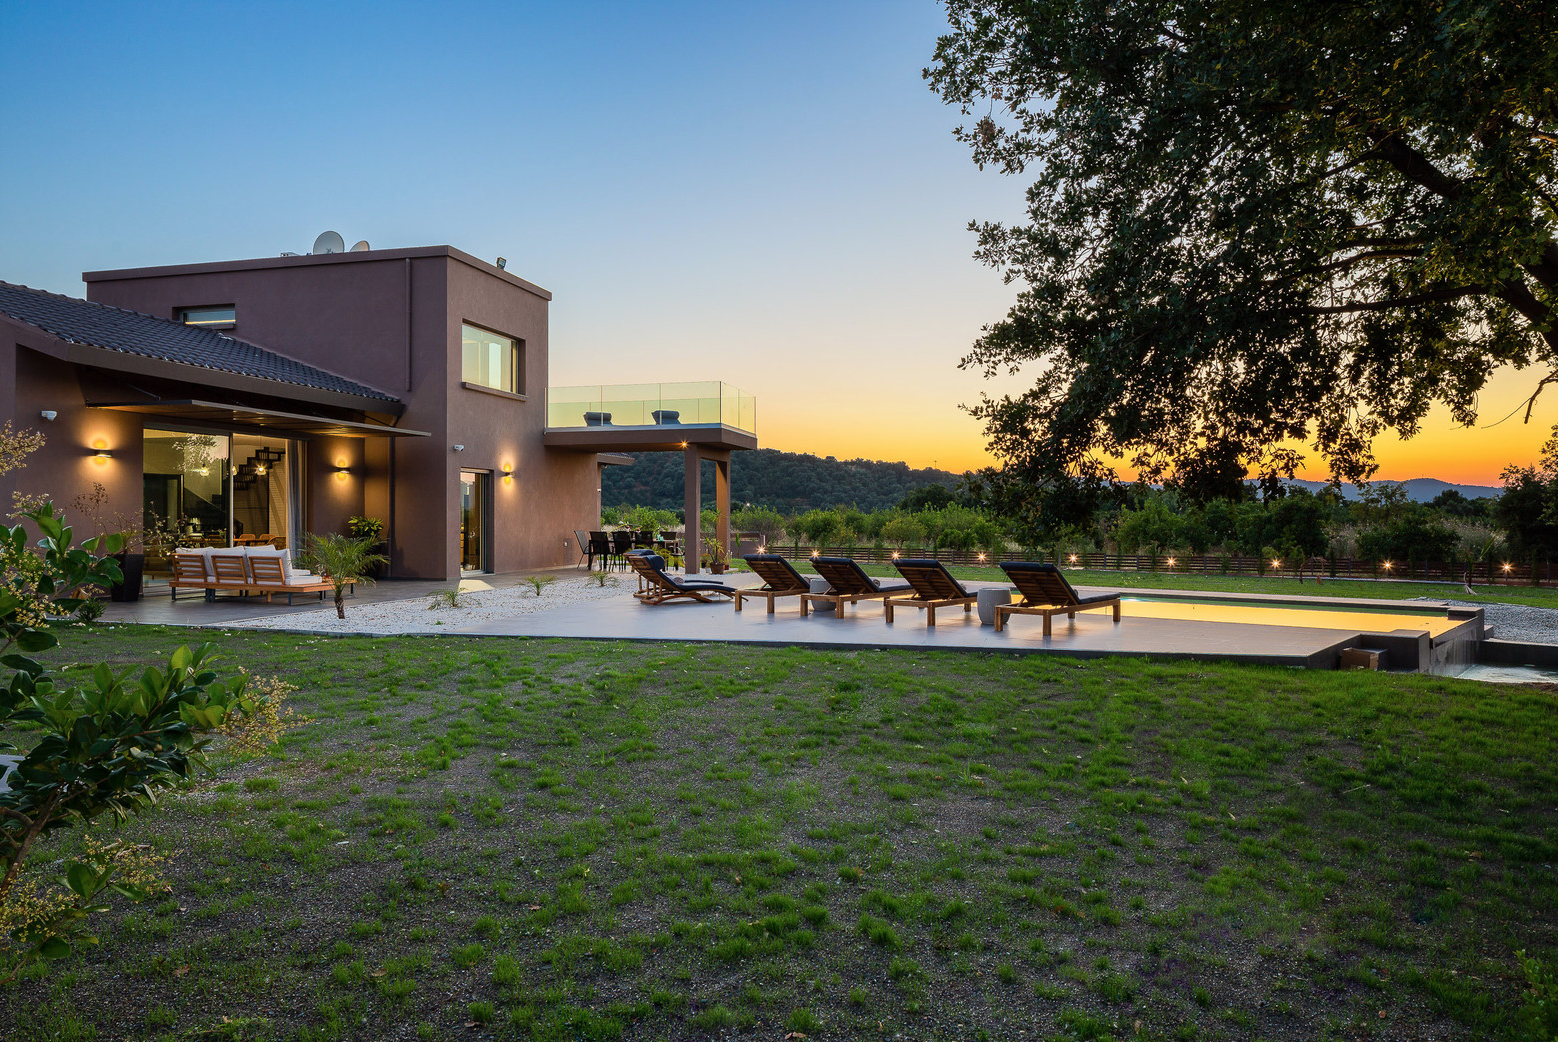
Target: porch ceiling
{"points": [[221, 414]]}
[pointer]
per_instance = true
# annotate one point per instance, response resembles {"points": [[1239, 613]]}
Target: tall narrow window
{"points": [[492, 360]]}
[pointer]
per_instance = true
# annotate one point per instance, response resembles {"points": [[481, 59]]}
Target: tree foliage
{"points": [[1255, 225]]}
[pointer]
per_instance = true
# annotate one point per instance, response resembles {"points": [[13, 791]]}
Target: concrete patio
{"points": [[1310, 633]]}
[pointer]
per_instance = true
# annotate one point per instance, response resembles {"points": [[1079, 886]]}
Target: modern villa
{"points": [[268, 398]]}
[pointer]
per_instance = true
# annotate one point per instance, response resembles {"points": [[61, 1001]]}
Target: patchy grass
{"points": [[584, 840]]}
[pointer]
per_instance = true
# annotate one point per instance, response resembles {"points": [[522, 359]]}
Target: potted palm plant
{"points": [[342, 560]]}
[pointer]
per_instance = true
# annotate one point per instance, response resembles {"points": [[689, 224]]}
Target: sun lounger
{"points": [[1046, 591], [934, 587], [659, 587], [780, 579], [848, 583]]}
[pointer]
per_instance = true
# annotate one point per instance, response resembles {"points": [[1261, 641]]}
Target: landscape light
{"points": [[1387, 566], [1171, 562], [1073, 558], [1506, 566], [814, 553], [1275, 563], [981, 557], [762, 549]]}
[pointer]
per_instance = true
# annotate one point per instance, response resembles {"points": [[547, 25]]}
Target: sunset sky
{"points": [[763, 194]]}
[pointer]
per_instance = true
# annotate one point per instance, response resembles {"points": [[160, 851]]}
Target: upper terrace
{"points": [[642, 417], [704, 420]]}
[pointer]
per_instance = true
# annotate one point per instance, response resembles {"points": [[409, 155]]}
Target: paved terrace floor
{"points": [[1274, 635]]}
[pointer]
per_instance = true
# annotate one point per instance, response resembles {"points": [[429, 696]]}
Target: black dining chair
{"points": [[600, 546], [621, 543]]}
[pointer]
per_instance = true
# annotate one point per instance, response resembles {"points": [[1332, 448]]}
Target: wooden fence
{"points": [[1500, 573]]}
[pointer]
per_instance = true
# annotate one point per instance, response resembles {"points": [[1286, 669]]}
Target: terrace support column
{"points": [[693, 504], [722, 500]]}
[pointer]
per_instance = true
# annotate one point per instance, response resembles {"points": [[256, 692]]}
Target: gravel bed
{"points": [[1520, 622], [425, 615]]}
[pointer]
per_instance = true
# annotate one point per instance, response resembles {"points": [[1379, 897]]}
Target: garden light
{"points": [[1506, 566], [1171, 562], [1073, 558], [1387, 566], [1276, 564]]}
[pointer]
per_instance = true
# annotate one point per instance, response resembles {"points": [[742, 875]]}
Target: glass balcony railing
{"points": [[651, 405]]}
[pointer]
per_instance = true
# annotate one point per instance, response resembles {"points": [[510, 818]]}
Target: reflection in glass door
{"points": [[473, 521]]}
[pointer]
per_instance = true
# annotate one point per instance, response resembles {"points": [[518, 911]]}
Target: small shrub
{"points": [[444, 599], [539, 583], [90, 610]]}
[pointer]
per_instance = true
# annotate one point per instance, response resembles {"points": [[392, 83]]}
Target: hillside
{"points": [[787, 481], [1419, 490]]}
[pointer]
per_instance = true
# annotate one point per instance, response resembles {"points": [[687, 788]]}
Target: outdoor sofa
{"points": [[1046, 591], [933, 587], [243, 570], [847, 583], [780, 579], [658, 586]]}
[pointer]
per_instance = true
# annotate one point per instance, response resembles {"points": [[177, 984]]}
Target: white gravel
{"points": [[423, 615], [1521, 622]]}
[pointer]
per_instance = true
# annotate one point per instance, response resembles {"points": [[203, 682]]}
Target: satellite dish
{"points": [[329, 242], [361, 246]]}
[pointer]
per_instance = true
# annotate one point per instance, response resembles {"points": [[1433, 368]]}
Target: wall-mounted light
{"points": [[259, 468], [503, 262], [458, 448], [49, 414], [103, 454], [508, 473], [99, 450]]}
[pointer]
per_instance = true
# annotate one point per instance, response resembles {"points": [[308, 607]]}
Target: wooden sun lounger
{"points": [[934, 587], [848, 584], [659, 587], [1046, 591], [780, 579]]}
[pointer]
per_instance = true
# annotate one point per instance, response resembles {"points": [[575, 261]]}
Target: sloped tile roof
{"points": [[118, 329]]}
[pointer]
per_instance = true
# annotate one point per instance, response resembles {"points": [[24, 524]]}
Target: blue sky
{"points": [[756, 193], [764, 194]]}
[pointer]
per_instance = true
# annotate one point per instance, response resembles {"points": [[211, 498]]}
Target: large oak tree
{"points": [[1257, 224]]}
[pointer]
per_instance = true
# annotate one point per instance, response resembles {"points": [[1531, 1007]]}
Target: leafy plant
{"points": [[602, 579], [90, 610], [342, 560], [539, 583], [365, 527]]}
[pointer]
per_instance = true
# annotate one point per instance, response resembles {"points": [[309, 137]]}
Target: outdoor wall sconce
{"points": [[99, 450], [458, 448], [508, 473], [49, 414]]}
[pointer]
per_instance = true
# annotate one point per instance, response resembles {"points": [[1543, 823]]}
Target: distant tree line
{"points": [[792, 482], [1287, 523]]}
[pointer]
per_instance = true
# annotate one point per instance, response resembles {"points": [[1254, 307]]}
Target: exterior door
{"points": [[475, 495]]}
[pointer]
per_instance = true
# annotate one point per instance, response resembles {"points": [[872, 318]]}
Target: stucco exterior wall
{"points": [[391, 319]]}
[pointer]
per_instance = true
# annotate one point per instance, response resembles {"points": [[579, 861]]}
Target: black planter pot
{"points": [[132, 565]]}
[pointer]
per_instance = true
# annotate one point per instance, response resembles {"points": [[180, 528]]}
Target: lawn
{"points": [[599, 840], [1538, 596]]}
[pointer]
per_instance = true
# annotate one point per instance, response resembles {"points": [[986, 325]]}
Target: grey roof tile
{"points": [[119, 329]]}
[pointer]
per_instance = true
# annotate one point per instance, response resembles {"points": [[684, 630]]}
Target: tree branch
{"points": [[1429, 297]]}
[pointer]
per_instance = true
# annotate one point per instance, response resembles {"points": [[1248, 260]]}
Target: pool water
{"points": [[1492, 674], [1308, 617]]}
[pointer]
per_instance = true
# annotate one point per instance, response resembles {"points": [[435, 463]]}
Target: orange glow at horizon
{"points": [[931, 433]]}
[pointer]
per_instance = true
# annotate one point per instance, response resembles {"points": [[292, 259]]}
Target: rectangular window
{"points": [[211, 316], [491, 360]]}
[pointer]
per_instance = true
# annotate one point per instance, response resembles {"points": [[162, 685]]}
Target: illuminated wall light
{"points": [[99, 450], [508, 473]]}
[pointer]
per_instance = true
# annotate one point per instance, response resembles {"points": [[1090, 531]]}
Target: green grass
{"points": [[1538, 596], [592, 840]]}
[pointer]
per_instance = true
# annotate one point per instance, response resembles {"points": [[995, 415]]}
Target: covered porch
{"points": [[719, 420]]}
